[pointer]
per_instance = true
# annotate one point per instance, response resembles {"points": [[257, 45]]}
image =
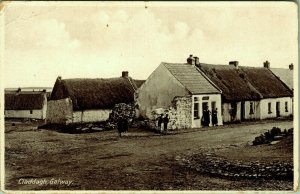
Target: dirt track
{"points": [[141, 160]]}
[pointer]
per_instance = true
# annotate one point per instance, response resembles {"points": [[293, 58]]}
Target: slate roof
{"points": [[245, 83], [24, 100], [191, 78], [285, 75], [95, 93]]}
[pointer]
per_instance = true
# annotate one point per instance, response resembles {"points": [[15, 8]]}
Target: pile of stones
{"points": [[272, 135], [212, 165]]}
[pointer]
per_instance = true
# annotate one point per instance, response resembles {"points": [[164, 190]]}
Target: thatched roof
{"points": [[24, 100], [245, 83], [191, 78], [95, 93], [285, 75]]}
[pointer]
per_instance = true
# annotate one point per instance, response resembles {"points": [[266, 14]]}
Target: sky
{"points": [[100, 40]]}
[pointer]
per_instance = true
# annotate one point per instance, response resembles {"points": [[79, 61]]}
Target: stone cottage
{"points": [[89, 100], [249, 92], [25, 104], [180, 88]]}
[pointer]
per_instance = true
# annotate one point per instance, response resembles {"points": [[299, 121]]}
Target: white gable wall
{"points": [[158, 91]]}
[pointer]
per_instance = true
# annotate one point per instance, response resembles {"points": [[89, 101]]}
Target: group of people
{"points": [[162, 120], [205, 120]]}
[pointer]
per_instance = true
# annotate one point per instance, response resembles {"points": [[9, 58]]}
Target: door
{"points": [[205, 120], [277, 109], [213, 105], [242, 111]]}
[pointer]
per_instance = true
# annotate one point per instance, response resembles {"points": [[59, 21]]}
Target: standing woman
{"points": [[215, 117]]}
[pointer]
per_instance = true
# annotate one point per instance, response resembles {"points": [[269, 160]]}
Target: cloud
{"points": [[41, 34], [101, 42]]}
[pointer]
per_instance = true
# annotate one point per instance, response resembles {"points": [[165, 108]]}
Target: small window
{"points": [[31, 112], [205, 98], [286, 107], [269, 108], [251, 108]]}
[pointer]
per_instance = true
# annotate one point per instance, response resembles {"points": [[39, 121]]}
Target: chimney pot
{"points": [[234, 63], [291, 66], [267, 64], [197, 61], [191, 60], [124, 73]]}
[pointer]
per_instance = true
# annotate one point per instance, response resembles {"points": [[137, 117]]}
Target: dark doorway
{"points": [[204, 106], [242, 111], [277, 109], [213, 105], [205, 120]]}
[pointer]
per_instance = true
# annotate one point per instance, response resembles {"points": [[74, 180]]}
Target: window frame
{"points": [[251, 108], [269, 108]]}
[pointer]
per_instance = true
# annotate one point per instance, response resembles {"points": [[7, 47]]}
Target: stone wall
{"points": [[59, 111], [181, 113]]}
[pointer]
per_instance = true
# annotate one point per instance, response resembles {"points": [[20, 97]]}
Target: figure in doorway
{"points": [[214, 117], [206, 117]]}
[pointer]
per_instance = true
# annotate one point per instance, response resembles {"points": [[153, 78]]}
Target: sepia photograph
{"points": [[149, 96]]}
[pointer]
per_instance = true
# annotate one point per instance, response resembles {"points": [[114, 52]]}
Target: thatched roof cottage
{"points": [[88, 100], [24, 104], [249, 92]]}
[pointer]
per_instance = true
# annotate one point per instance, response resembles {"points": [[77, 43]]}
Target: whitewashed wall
{"points": [[36, 114], [196, 123], [59, 111], [256, 110], [91, 115], [283, 113]]}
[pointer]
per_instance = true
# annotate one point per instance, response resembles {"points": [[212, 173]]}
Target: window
{"points": [[205, 98], [286, 107], [269, 108], [31, 112], [196, 108], [251, 108]]}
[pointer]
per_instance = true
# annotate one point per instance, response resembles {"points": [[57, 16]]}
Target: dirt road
{"points": [[141, 160]]}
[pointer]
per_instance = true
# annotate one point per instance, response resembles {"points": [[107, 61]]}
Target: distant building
{"points": [[89, 100], [285, 74], [25, 104]]}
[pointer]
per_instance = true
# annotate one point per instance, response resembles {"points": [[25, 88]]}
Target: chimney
{"points": [[291, 66], [197, 61], [124, 73], [234, 63], [267, 64], [191, 60]]}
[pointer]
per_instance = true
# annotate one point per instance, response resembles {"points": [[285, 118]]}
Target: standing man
{"points": [[159, 122], [166, 121]]}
